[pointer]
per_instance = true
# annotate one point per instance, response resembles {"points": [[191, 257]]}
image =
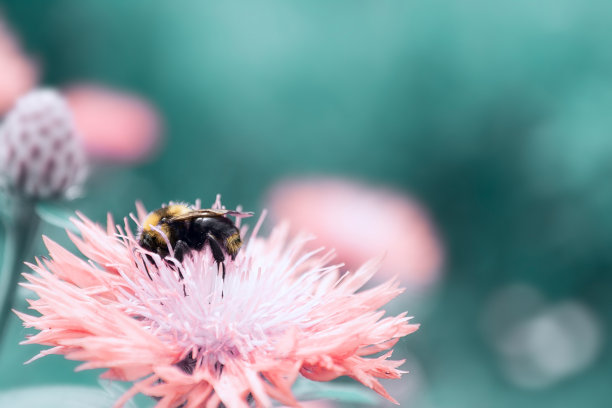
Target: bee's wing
{"points": [[209, 213], [239, 214]]}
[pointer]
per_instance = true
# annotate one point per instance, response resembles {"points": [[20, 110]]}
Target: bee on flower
{"points": [[188, 337]]}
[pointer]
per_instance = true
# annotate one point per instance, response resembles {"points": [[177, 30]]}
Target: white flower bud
{"points": [[40, 151]]}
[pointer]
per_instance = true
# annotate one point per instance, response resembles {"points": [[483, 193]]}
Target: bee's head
{"points": [[149, 240]]}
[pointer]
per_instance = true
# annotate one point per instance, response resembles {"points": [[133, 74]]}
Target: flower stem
{"points": [[20, 226]]}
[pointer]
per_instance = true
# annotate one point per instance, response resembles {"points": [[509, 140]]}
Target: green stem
{"points": [[20, 227]]}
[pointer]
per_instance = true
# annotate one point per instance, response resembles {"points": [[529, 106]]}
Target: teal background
{"points": [[495, 115]]}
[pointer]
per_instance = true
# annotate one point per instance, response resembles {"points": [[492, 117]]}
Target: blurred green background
{"points": [[496, 115]]}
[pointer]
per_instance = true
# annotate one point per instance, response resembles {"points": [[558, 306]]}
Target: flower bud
{"points": [[41, 154]]}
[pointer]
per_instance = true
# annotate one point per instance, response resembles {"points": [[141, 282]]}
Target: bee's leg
{"points": [[144, 263], [180, 249], [217, 252], [221, 267]]}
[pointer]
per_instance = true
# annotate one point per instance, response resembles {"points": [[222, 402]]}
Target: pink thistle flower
{"points": [[18, 74], [41, 154], [362, 222], [200, 341], [115, 126]]}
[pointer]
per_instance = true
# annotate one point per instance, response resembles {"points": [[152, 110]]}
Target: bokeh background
{"points": [[495, 116]]}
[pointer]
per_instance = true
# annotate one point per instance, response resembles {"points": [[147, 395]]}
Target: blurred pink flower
{"points": [[202, 340], [116, 126], [362, 222], [18, 73]]}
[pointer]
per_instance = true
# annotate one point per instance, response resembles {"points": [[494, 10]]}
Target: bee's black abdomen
{"points": [[220, 227], [214, 230]]}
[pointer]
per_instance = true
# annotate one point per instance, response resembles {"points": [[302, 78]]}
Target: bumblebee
{"points": [[188, 229]]}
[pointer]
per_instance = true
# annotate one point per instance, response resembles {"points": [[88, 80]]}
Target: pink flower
{"points": [[18, 73], [362, 222], [116, 126], [281, 311]]}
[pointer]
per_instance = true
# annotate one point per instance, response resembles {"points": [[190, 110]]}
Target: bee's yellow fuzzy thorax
{"points": [[154, 219], [151, 221]]}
